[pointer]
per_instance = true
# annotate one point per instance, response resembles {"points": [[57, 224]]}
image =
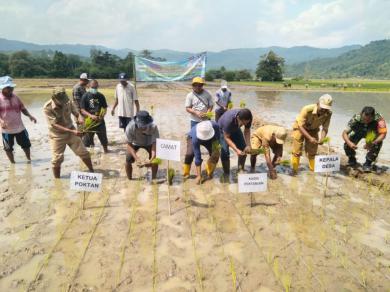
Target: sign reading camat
{"points": [[252, 182], [86, 181], [168, 149], [327, 163]]}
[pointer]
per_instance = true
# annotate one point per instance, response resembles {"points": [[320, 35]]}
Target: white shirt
{"points": [[223, 98], [126, 96], [193, 101]]}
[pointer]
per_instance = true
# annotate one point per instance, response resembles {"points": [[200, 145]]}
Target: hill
{"points": [[370, 61], [245, 58]]}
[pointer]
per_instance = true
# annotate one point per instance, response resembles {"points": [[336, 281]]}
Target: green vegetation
{"points": [[270, 67], [322, 84], [370, 61], [370, 137], [59, 65], [227, 75]]}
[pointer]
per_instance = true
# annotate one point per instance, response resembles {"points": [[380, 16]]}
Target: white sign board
{"points": [[168, 149], [327, 163], [252, 182], [86, 181]]}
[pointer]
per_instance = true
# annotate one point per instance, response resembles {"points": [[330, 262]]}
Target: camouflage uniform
{"points": [[358, 130]]}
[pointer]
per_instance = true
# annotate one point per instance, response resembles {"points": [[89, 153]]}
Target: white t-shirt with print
{"points": [[193, 101]]}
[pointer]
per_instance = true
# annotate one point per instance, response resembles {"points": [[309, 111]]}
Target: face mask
{"points": [[93, 90]]}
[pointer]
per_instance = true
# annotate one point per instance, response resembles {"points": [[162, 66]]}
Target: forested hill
{"points": [[369, 61]]}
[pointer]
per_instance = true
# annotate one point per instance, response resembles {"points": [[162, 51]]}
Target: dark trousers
{"points": [[189, 157], [355, 137], [218, 113], [237, 138], [101, 133]]}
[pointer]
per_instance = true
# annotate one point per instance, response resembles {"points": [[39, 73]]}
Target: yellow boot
{"points": [[186, 170], [210, 167], [311, 164], [295, 163]]}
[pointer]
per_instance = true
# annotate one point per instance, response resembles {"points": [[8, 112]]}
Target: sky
{"points": [[196, 25]]}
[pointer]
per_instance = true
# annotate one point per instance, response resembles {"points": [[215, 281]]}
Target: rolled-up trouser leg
{"points": [[58, 145]]}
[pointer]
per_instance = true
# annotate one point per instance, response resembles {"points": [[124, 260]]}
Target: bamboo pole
{"points": [[169, 193]]}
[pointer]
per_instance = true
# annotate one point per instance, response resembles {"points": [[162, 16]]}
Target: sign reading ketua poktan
{"points": [[86, 181]]}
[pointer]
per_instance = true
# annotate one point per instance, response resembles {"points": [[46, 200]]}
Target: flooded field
{"points": [[291, 239]]}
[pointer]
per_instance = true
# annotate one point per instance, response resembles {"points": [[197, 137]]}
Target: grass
{"points": [[334, 84]]}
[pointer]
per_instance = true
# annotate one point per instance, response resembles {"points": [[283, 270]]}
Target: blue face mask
{"points": [[93, 90]]}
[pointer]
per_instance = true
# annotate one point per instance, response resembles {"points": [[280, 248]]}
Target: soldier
{"points": [[58, 112], [269, 137], [307, 127], [368, 124]]}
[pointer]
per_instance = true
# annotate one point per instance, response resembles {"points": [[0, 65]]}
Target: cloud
{"points": [[196, 25], [331, 24]]}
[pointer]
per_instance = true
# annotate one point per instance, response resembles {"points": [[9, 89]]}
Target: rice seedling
{"points": [[156, 161], [326, 140], [242, 104], [275, 268], [210, 115], [215, 146], [152, 110], [370, 137], [285, 162], [258, 151], [230, 105], [363, 278], [286, 280], [171, 174]]}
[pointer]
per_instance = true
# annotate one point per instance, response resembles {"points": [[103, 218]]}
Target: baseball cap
{"points": [[84, 76], [123, 76], [325, 101]]}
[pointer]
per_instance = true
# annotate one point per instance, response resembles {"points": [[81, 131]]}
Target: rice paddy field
{"points": [[290, 238]]}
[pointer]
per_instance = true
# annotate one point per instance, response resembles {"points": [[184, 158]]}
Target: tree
{"points": [[146, 54], [4, 68], [59, 66], [243, 75], [270, 67], [20, 64]]}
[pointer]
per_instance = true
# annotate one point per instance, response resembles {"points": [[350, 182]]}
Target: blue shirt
{"points": [[207, 143], [228, 122]]}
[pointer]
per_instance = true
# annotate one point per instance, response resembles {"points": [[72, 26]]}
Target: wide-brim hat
{"points": [[143, 119], [205, 130], [6, 81], [325, 101]]}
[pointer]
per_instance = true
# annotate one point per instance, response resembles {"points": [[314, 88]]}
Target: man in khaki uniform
{"points": [[268, 137], [58, 112], [307, 127]]}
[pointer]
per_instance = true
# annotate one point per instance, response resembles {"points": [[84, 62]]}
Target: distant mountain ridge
{"points": [[245, 58], [371, 61]]}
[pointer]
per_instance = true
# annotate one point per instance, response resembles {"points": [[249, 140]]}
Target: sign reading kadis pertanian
{"points": [[252, 182], [86, 181], [168, 149], [327, 163]]}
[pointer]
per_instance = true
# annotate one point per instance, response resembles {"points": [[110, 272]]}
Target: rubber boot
{"points": [[57, 172], [295, 163], [311, 164], [226, 166], [210, 167], [186, 170]]}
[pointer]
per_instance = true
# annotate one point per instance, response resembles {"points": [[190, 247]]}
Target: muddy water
{"points": [[283, 107], [292, 238]]}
